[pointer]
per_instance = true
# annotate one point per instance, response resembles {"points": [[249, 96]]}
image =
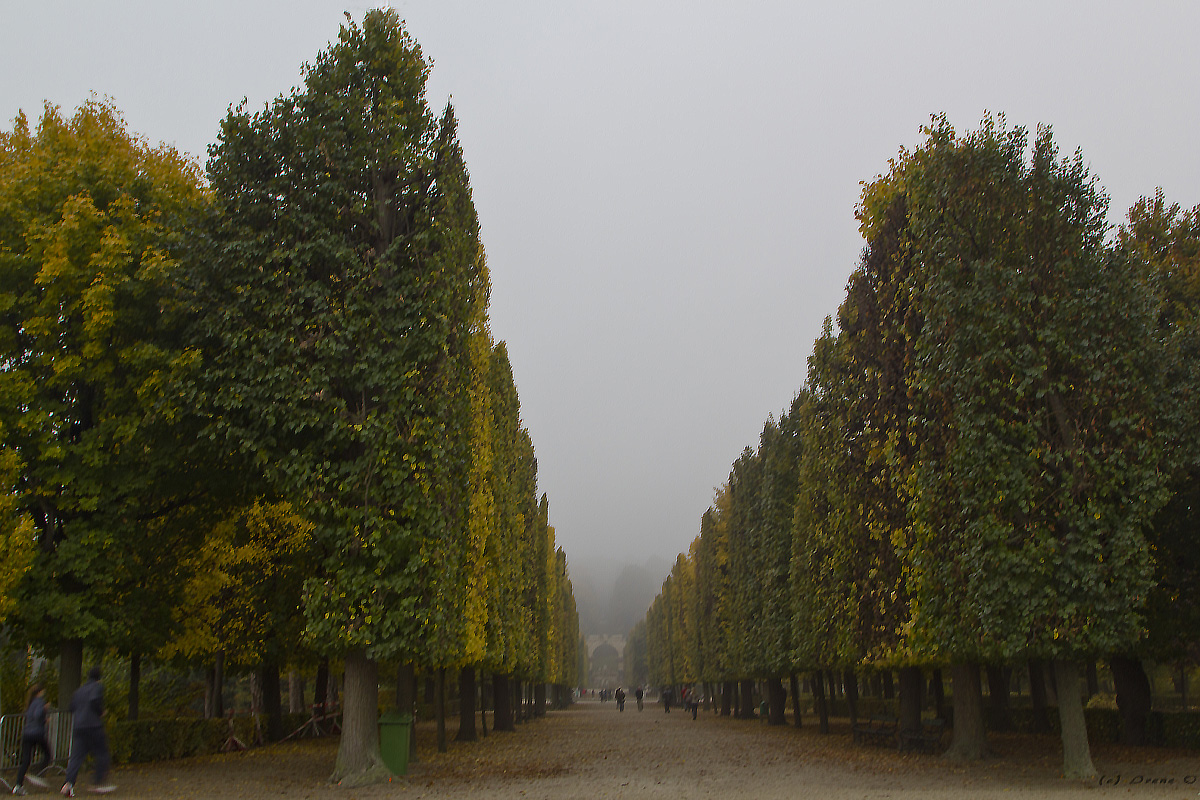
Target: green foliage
{"points": [[1037, 375], [1166, 239], [824, 555], [335, 306], [91, 219], [16, 532], [244, 597]]}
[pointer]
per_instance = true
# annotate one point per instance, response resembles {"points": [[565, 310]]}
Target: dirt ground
{"points": [[593, 751]]}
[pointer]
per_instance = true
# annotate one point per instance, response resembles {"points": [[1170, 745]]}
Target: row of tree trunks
{"points": [[727, 700]]}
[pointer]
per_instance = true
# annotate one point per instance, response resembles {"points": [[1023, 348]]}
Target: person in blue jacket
{"points": [[87, 734], [33, 736]]}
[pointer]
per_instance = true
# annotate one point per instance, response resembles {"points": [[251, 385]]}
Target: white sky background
{"points": [[666, 189]]}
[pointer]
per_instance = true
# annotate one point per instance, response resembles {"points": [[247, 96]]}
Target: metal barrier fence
{"points": [[58, 734]]}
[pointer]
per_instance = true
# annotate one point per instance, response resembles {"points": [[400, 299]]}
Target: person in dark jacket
{"points": [[87, 734], [33, 736]]}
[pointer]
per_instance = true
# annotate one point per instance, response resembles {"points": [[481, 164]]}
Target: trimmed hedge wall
{"points": [[1163, 728], [162, 739]]}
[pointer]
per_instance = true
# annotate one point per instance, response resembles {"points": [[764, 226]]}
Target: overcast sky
{"points": [[666, 189]]}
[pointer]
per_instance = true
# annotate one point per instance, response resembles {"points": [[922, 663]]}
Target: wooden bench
{"points": [[927, 740], [878, 730]]}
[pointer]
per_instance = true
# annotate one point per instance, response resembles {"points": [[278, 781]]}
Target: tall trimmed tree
{"points": [[335, 306], [1039, 367], [90, 218]]}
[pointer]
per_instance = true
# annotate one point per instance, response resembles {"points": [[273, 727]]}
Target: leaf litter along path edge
{"points": [[593, 751]]}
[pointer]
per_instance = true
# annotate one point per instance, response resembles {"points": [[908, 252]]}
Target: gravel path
{"points": [[592, 751]]}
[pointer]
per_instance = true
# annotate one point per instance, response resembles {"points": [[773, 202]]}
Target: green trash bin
{"points": [[394, 729]]}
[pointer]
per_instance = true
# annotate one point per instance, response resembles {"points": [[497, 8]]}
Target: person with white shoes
{"points": [[88, 736], [33, 737]]}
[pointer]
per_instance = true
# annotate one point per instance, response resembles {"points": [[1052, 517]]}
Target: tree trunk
{"points": [[295, 692], [794, 683], [210, 683], [889, 688], [440, 703], [776, 702], [999, 678], [1183, 683], [747, 692], [1051, 686], [1093, 680], [358, 759], [70, 670], [1037, 694], [1133, 698], [272, 703], [502, 715], [135, 685], [539, 700], [726, 698], [939, 694], [466, 706], [256, 693], [485, 688], [911, 682], [219, 684], [321, 690], [969, 742], [818, 682], [1077, 755], [851, 683]]}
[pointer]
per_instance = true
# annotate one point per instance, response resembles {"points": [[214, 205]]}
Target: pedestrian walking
{"points": [[620, 699], [33, 736], [638, 693], [88, 736]]}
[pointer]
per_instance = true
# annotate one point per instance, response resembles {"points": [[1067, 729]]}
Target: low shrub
{"points": [[162, 739]]}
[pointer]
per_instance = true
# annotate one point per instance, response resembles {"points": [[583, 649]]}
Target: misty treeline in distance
{"points": [[254, 419], [993, 461]]}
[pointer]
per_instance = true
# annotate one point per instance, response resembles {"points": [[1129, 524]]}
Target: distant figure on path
{"points": [[638, 693], [620, 699], [666, 698], [87, 735]]}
